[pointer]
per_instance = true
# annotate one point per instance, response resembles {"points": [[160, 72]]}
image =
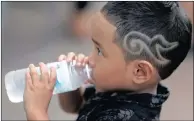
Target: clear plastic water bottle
{"points": [[69, 78]]}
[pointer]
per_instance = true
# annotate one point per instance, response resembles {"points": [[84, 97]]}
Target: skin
{"points": [[38, 92], [117, 74]]}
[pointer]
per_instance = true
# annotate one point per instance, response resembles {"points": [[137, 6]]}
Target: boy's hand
{"points": [[81, 60], [38, 91]]}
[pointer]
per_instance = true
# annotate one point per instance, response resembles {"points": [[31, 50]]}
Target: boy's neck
{"points": [[152, 90]]}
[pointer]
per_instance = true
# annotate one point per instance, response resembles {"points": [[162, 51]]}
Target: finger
{"points": [[53, 78], [29, 83], [80, 59], [34, 75], [70, 56], [44, 73], [86, 61], [86, 82], [62, 57]]}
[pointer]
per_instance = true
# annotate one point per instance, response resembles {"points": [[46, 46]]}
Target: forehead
{"points": [[101, 29]]}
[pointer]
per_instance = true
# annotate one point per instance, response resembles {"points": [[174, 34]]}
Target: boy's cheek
{"points": [[100, 73], [96, 74]]}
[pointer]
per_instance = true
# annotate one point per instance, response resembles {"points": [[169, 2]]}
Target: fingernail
{"points": [[31, 65], [61, 57]]}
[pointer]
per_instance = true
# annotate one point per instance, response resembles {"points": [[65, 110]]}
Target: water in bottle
{"points": [[69, 78]]}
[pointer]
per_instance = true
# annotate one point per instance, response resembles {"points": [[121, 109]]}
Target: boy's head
{"points": [[138, 43]]}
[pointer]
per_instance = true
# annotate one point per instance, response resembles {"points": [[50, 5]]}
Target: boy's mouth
{"points": [[91, 81]]}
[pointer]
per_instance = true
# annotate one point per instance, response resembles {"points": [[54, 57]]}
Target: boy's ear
{"points": [[142, 72]]}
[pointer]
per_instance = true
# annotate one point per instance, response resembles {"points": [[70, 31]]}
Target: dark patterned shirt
{"points": [[122, 105]]}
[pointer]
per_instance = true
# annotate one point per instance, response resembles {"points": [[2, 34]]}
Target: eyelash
{"points": [[99, 51]]}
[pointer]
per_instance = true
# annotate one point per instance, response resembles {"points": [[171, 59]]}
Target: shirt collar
{"points": [[146, 99]]}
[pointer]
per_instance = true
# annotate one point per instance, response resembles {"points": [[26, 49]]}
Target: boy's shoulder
{"points": [[122, 105]]}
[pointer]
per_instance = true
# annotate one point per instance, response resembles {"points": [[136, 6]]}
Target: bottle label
{"points": [[69, 77], [63, 83]]}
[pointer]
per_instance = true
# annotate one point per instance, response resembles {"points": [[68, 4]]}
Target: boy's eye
{"points": [[99, 51]]}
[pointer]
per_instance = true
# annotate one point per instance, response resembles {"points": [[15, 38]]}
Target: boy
{"points": [[136, 45]]}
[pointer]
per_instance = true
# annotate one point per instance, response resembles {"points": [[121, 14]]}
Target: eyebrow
{"points": [[97, 43]]}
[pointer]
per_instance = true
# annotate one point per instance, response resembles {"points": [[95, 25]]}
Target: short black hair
{"points": [[148, 20]]}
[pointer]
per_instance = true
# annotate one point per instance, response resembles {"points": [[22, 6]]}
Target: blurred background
{"points": [[40, 31]]}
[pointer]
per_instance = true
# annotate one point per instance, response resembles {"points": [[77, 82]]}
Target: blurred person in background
{"points": [[81, 14]]}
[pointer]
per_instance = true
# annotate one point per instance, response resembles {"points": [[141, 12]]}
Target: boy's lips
{"points": [[91, 81]]}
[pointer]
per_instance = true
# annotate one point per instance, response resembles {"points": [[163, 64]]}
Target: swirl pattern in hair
{"points": [[137, 43]]}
